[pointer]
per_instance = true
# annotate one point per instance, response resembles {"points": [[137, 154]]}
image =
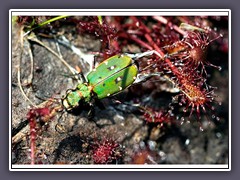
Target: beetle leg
{"points": [[59, 127], [91, 112], [144, 77], [93, 64], [147, 53], [82, 77]]}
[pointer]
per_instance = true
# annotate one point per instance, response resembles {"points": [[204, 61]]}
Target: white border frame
{"points": [[123, 12]]}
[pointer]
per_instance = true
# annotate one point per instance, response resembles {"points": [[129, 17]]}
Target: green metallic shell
{"points": [[108, 68], [110, 77], [116, 82]]}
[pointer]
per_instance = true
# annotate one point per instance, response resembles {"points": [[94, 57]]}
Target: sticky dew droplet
{"points": [[219, 135], [182, 120], [187, 142]]}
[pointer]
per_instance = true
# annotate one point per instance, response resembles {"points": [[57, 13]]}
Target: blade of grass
{"points": [[46, 22]]}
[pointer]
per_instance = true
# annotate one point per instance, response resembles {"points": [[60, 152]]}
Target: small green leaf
{"points": [[100, 20], [189, 27]]}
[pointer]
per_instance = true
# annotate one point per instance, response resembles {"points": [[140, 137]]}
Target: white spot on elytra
{"points": [[108, 94], [112, 67], [134, 77], [119, 79], [120, 88]]}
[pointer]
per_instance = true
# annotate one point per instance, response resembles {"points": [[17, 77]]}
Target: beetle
{"points": [[109, 78]]}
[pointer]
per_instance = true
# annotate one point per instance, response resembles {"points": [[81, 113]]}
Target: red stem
{"points": [[142, 43], [165, 21], [32, 124]]}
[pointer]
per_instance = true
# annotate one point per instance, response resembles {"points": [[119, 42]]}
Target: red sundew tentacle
{"points": [[203, 108], [198, 110], [155, 116], [192, 109]]}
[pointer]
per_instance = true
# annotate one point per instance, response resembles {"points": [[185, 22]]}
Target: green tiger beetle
{"points": [[110, 77]]}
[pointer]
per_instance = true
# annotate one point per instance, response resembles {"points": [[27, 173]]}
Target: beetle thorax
{"points": [[81, 94]]}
